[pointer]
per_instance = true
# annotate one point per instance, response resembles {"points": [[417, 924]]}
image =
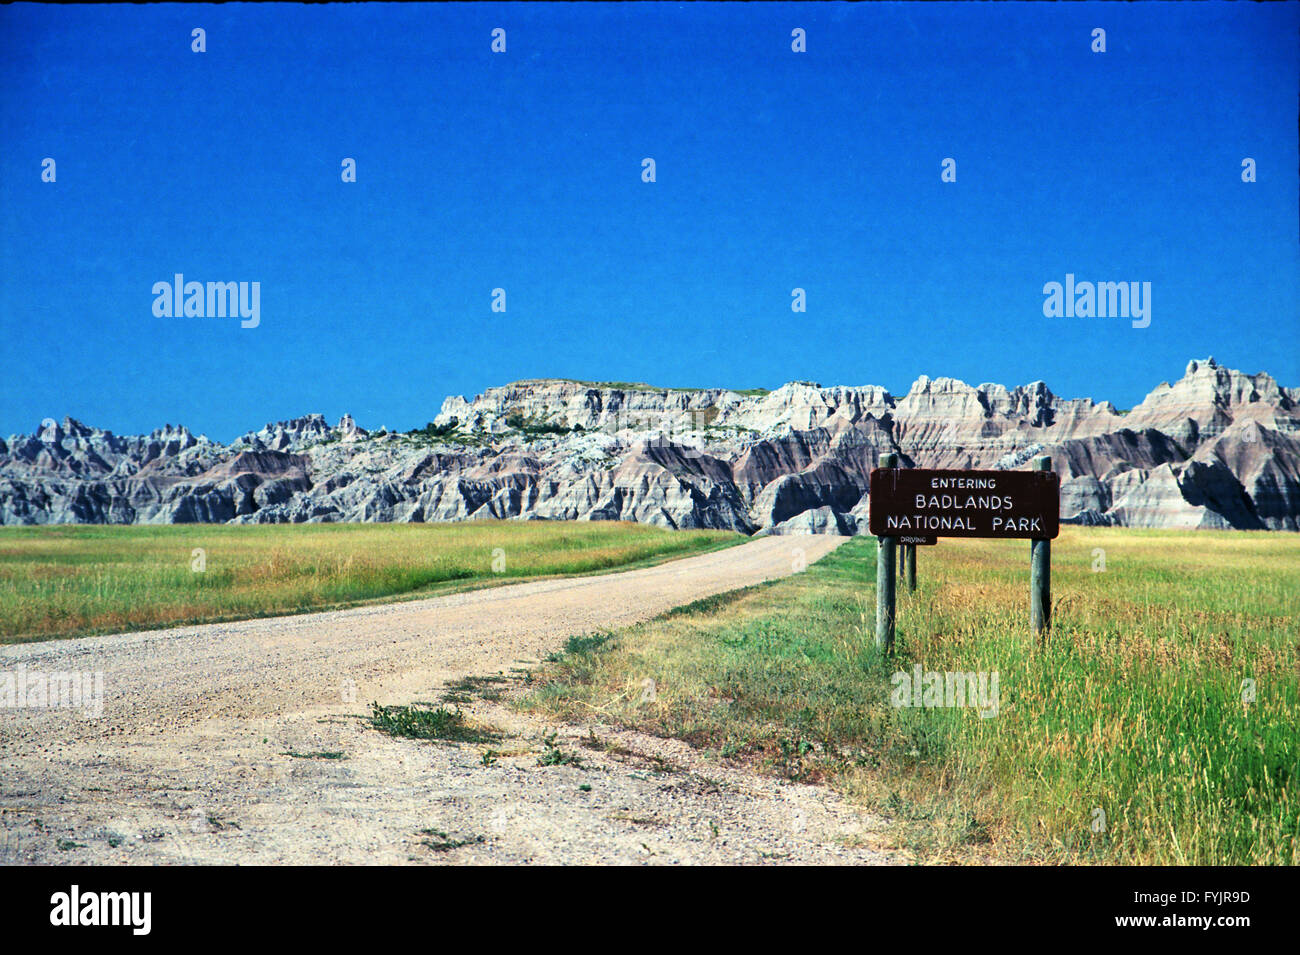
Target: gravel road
{"points": [[241, 743]]}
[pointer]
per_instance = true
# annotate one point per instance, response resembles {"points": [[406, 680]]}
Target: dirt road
{"points": [[241, 742]]}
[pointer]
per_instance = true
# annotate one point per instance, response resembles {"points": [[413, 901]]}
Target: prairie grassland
{"points": [[72, 580], [1159, 724]]}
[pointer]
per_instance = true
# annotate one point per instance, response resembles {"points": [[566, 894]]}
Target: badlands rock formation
{"points": [[1217, 449]]}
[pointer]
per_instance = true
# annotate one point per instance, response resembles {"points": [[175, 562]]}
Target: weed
{"points": [[424, 722]]}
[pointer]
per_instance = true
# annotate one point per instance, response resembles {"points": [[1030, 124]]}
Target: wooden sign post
{"points": [[918, 503], [1040, 571], [884, 574]]}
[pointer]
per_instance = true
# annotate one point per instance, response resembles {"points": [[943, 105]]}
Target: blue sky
{"points": [[522, 170]]}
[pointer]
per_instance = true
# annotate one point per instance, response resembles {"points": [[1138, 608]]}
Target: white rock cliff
{"points": [[1217, 449]]}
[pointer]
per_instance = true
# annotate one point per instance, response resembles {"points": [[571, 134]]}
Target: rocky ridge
{"points": [[1216, 449]]}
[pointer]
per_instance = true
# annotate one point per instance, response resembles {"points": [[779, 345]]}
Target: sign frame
{"points": [[998, 505], [1033, 492]]}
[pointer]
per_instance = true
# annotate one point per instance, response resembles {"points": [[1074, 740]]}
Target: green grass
{"points": [[540, 428], [442, 842], [427, 722], [62, 581], [1133, 707], [579, 644], [554, 756]]}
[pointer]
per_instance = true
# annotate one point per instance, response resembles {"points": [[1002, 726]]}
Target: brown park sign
{"points": [[917, 501]]}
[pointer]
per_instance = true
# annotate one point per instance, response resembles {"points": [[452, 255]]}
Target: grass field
{"points": [[1131, 737], [73, 580]]}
